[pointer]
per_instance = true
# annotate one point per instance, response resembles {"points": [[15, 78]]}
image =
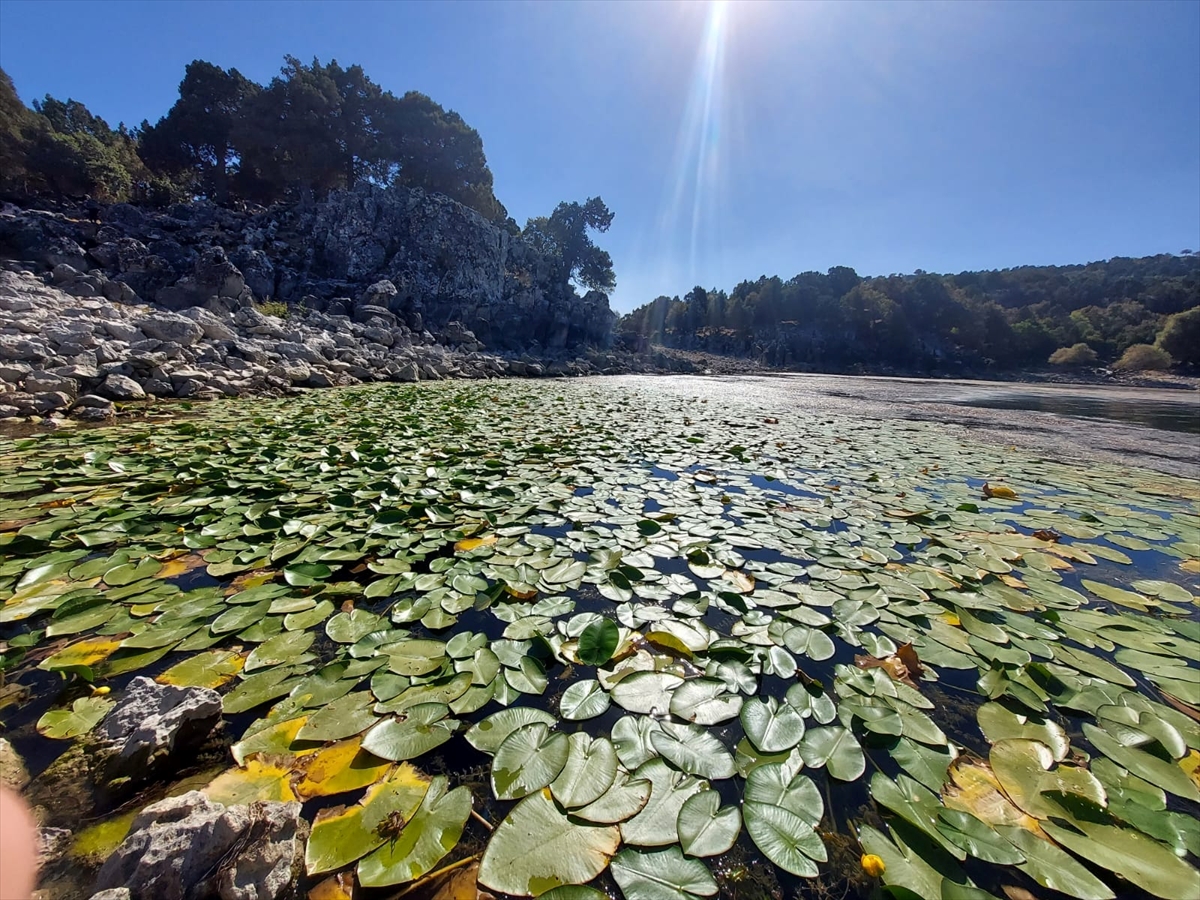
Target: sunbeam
{"points": [[694, 203]]}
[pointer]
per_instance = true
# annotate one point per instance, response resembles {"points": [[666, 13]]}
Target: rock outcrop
{"points": [[87, 355], [190, 846], [426, 259], [151, 719]]}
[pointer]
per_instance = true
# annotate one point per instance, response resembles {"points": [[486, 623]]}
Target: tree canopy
{"points": [[564, 235], [314, 128]]}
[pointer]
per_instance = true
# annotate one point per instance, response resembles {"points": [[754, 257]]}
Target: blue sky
{"points": [[736, 139]]}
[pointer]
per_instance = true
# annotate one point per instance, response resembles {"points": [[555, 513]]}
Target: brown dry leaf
{"points": [[911, 661], [894, 667], [1186, 708], [1013, 582], [460, 884], [254, 579], [520, 595], [974, 789], [1047, 534], [475, 543], [181, 565], [1003, 491], [1012, 892], [16, 524], [1191, 565], [335, 887], [741, 581]]}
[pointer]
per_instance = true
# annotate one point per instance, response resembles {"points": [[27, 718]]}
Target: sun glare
{"points": [[693, 204]]}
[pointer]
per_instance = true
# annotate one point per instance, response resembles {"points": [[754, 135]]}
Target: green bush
{"points": [[1180, 337], [274, 308], [1143, 358], [1076, 355]]}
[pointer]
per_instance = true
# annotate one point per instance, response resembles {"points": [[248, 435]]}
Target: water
{"points": [[1170, 413]]}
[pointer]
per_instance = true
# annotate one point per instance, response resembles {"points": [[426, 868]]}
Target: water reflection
{"points": [[1182, 416]]}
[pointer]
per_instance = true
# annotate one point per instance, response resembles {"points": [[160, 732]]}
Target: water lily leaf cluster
{"points": [[671, 633]]}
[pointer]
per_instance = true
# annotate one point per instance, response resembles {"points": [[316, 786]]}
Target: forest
{"points": [[1131, 313]]}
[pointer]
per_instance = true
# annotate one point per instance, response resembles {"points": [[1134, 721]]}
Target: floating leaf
{"points": [[537, 847], [693, 750], [662, 875], [772, 726], [705, 827], [488, 734], [657, 823], [205, 670], [598, 642], [84, 715], [584, 700], [836, 749], [428, 836], [785, 838], [590, 770], [530, 758]]}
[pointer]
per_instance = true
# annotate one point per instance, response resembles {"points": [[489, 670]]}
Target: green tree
{"points": [[18, 126], [564, 235], [1180, 337], [432, 148], [195, 138]]}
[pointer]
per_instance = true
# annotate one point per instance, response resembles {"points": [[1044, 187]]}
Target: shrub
{"points": [[1181, 337], [1144, 357], [274, 308], [1076, 355]]}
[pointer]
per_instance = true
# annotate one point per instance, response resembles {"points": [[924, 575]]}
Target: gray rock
{"points": [[122, 387], [319, 380], [64, 273], [52, 844], [213, 328], [49, 401], [14, 372], [294, 372], [407, 372], [159, 387], [121, 893], [189, 846], [150, 719], [123, 331], [167, 326], [91, 401], [39, 381], [12, 768]]}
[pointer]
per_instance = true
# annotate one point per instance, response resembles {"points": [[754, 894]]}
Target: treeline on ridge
{"points": [[312, 129], [1133, 313]]}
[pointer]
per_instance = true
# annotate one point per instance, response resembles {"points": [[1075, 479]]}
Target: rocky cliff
{"points": [[424, 258], [370, 285]]}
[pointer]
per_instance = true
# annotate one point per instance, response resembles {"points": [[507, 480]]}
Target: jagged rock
{"points": [[122, 387], [12, 768], [150, 719], [167, 326], [407, 372], [121, 893], [189, 846], [52, 844], [257, 270]]}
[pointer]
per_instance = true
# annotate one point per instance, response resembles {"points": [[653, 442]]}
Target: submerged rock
{"points": [[191, 847], [151, 719]]}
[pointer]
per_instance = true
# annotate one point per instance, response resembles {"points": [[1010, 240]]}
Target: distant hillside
{"points": [[1007, 319]]}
